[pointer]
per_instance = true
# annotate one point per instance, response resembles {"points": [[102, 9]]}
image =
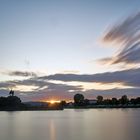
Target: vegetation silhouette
{"points": [[78, 99], [14, 103], [99, 99], [11, 93], [122, 102], [10, 103]]}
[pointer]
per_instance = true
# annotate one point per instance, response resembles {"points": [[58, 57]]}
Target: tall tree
{"points": [[99, 99], [78, 99], [124, 100]]}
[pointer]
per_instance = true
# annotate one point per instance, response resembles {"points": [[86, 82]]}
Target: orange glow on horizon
{"points": [[53, 101]]}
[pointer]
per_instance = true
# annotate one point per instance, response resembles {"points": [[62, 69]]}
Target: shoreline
{"points": [[78, 107]]}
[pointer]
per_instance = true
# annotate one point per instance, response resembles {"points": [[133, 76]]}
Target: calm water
{"points": [[92, 124]]}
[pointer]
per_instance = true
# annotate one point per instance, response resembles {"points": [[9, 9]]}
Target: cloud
{"points": [[107, 60], [44, 87], [7, 85], [40, 89], [70, 71], [127, 77], [125, 34], [21, 73]]}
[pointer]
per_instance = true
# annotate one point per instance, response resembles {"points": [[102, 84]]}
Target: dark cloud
{"points": [[127, 35], [30, 82], [50, 86], [21, 73], [127, 77], [46, 88], [43, 90], [7, 84]]}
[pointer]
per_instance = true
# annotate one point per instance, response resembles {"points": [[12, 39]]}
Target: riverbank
{"points": [[77, 107], [104, 106]]}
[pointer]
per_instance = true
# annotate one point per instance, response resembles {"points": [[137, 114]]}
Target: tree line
{"points": [[79, 100]]}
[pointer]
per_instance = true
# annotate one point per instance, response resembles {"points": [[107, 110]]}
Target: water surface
{"points": [[92, 124]]}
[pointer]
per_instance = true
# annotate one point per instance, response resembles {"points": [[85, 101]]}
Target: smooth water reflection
{"points": [[92, 124]]}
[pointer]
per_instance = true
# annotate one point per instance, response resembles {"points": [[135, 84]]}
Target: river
{"points": [[71, 124]]}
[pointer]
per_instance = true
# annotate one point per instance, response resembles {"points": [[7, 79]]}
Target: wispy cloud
{"points": [[34, 87], [21, 73], [127, 77], [126, 35], [44, 87]]}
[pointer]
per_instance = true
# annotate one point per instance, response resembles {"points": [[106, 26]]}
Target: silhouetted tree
{"points": [[114, 101], [106, 102], [63, 103], [10, 103], [11, 93], [78, 99], [138, 100], [124, 100], [135, 101], [99, 99], [86, 102], [13, 101]]}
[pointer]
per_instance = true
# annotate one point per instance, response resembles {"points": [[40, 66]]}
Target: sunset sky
{"points": [[53, 49]]}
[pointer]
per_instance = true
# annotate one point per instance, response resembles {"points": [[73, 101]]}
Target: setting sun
{"points": [[54, 101]]}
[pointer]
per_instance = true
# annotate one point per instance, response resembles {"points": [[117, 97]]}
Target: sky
{"points": [[51, 50]]}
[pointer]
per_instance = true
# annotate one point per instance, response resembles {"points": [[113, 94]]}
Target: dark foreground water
{"points": [[92, 124]]}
